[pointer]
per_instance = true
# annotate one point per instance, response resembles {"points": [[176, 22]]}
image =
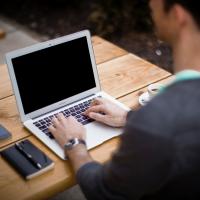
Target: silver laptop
{"points": [[56, 76]]}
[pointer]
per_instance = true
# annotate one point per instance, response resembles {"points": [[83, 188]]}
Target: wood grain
{"points": [[9, 118], [105, 51], [50, 183], [127, 74], [5, 84], [131, 100]]}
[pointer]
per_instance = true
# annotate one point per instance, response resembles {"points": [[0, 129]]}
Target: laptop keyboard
{"points": [[75, 111]]}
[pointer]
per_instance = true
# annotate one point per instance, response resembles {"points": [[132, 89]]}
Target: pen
{"points": [[28, 156]]}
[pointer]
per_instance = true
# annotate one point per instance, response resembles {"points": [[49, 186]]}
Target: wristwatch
{"points": [[74, 142]]}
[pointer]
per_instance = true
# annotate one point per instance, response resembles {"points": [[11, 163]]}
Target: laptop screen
{"points": [[53, 74]]}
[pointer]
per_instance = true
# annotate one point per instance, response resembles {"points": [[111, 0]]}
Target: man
{"points": [[159, 154]]}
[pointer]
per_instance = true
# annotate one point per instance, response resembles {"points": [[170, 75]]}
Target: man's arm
{"points": [[64, 129], [139, 167], [78, 156]]}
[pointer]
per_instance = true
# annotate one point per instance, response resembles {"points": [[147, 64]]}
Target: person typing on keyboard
{"points": [[158, 156]]}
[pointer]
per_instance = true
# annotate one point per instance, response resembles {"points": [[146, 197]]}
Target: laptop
{"points": [[58, 76]]}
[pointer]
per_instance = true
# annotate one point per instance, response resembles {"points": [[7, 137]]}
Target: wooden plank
{"points": [[50, 183], [131, 100], [97, 40], [127, 74], [5, 84], [105, 51], [9, 118]]}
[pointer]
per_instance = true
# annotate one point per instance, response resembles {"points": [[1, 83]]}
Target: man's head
{"points": [[173, 16], [192, 6]]}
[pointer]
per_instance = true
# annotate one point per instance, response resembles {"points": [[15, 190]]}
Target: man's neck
{"points": [[186, 52]]}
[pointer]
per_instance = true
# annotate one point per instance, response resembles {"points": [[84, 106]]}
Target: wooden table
{"points": [[122, 75]]}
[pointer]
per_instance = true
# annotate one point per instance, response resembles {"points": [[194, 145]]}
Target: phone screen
{"points": [[4, 133]]}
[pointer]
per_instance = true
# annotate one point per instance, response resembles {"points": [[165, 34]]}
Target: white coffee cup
{"points": [[154, 89]]}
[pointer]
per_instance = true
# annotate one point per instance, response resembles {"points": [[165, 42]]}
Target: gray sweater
{"points": [[159, 155]]}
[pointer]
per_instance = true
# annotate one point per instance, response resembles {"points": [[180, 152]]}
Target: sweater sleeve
{"points": [[139, 167]]}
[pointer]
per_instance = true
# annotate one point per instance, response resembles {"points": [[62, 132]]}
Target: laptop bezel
{"points": [[9, 56]]}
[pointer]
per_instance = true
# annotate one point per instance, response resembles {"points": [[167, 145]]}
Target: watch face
{"points": [[70, 144], [73, 142]]}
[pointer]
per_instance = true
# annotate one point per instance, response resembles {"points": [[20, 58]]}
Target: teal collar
{"points": [[187, 75], [183, 76]]}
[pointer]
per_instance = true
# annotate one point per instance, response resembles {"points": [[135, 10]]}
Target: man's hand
{"points": [[65, 129], [104, 111]]}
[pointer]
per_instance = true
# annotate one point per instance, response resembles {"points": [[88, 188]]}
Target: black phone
{"points": [[4, 133]]}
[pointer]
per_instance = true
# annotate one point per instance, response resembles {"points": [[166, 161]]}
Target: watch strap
{"points": [[74, 142]]}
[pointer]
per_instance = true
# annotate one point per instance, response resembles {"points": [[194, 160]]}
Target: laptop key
{"points": [[48, 119], [84, 117], [43, 122], [87, 121], [78, 116], [75, 111], [43, 127], [45, 130], [80, 120], [66, 112], [51, 136], [37, 124]]}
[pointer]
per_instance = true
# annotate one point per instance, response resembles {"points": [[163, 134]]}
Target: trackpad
{"points": [[98, 133]]}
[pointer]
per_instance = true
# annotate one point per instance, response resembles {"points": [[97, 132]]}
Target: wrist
{"points": [[79, 150], [124, 118], [78, 156], [75, 146], [70, 144]]}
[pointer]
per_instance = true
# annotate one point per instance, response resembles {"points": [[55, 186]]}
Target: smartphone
{"points": [[4, 133]]}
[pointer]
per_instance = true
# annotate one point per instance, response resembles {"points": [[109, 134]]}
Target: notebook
{"points": [[59, 75], [29, 168]]}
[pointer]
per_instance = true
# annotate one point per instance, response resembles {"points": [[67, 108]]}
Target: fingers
{"points": [[98, 117], [55, 121], [52, 129], [97, 101], [61, 117], [96, 109]]}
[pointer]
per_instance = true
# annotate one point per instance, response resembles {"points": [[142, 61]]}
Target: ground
{"points": [[51, 19]]}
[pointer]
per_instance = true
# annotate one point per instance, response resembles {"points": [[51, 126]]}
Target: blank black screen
{"points": [[53, 74]]}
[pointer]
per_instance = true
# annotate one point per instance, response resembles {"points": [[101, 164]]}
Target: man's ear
{"points": [[180, 15]]}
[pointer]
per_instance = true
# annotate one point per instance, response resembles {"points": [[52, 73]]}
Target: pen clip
{"points": [[28, 156]]}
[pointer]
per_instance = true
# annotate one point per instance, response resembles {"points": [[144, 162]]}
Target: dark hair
{"points": [[192, 6]]}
